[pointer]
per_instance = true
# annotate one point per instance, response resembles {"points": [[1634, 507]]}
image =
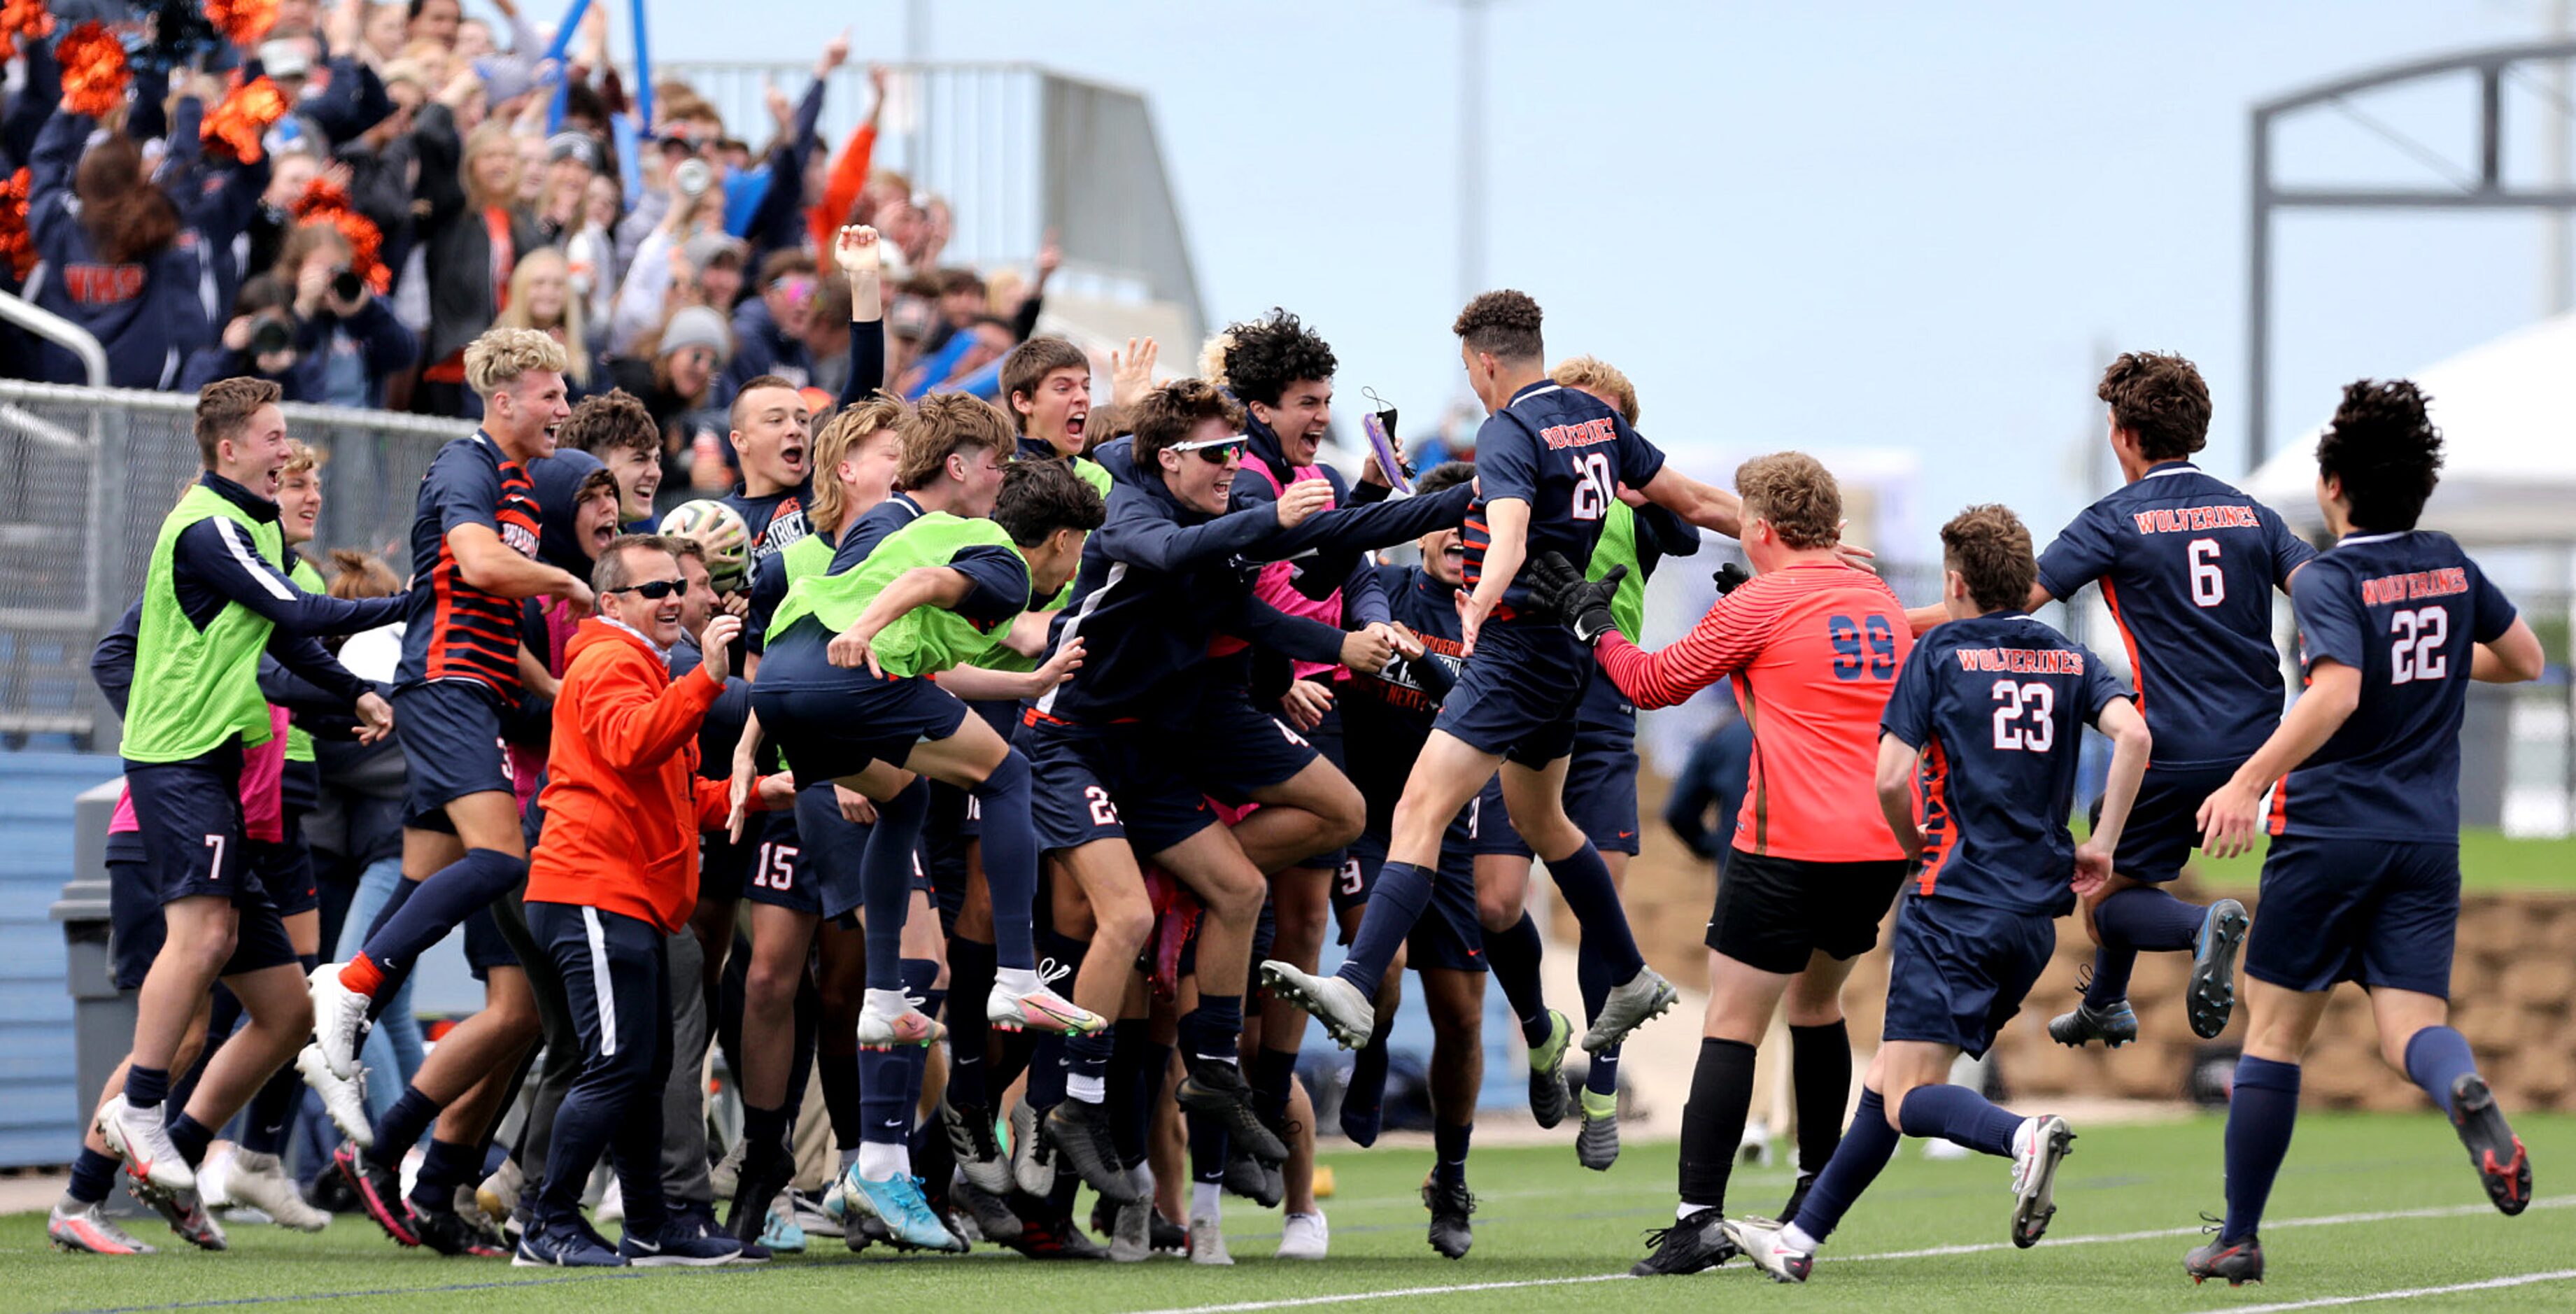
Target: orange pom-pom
{"points": [[326, 202], [23, 18], [94, 71], [17, 245], [236, 126], [243, 22]]}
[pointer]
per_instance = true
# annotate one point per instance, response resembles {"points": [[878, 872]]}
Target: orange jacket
{"points": [[623, 800], [848, 178]]}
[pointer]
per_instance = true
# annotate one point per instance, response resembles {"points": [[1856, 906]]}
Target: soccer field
{"points": [[2367, 1208]]}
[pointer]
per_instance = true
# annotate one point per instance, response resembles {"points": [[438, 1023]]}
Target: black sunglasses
{"points": [[654, 589], [1216, 455]]}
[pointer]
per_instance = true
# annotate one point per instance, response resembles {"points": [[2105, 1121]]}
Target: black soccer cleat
{"points": [[379, 1192], [448, 1233], [1217, 1090], [1049, 1237], [1797, 1197], [1693, 1245], [2114, 1026], [1080, 1133], [766, 1171], [1263, 1184], [2503, 1167], [2212, 991], [1451, 1233], [2239, 1262]]}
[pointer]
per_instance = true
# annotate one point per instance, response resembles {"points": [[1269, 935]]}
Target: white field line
{"points": [[2491, 1284]]}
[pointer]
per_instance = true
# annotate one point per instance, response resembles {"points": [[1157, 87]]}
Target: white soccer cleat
{"points": [[1642, 998], [2039, 1145], [1346, 1014], [910, 1027], [1131, 1234], [143, 1141], [339, 1019], [1042, 1011], [1760, 1241], [1304, 1236], [1207, 1241], [344, 1098], [89, 1231], [260, 1181]]}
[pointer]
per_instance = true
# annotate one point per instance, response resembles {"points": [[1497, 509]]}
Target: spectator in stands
{"points": [[472, 240], [263, 340], [435, 21], [290, 172], [679, 377], [382, 35], [346, 329], [541, 298], [769, 330], [592, 249]]}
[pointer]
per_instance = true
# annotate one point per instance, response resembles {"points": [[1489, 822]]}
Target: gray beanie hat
{"points": [[697, 326]]}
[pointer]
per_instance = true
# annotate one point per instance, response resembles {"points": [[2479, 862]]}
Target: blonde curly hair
{"points": [[495, 360]]}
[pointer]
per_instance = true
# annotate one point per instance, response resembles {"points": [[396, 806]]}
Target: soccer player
{"points": [[1989, 712], [1046, 382], [1389, 716], [1813, 645], [1550, 462], [2362, 882], [938, 592], [770, 422], [474, 545], [2187, 566], [214, 600]]}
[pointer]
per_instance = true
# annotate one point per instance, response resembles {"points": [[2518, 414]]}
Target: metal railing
{"points": [[1016, 151], [91, 472]]}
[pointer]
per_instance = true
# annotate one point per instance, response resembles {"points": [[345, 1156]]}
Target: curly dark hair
{"points": [[1041, 497], [1270, 353], [1990, 548], [2384, 451], [1446, 475], [613, 419], [2159, 397], [1503, 325]]}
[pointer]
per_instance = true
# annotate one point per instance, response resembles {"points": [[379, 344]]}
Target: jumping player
{"points": [[2187, 566], [2362, 882], [1989, 712]]}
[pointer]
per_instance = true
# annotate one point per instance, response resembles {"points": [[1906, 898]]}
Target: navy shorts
{"points": [[1234, 748], [1959, 971], [1518, 693], [830, 721], [189, 822], [830, 855], [1449, 935], [1774, 913], [485, 946], [135, 928], [724, 865], [779, 875], [1483, 827], [1601, 789], [2378, 912], [285, 873], [450, 732], [2164, 824], [1109, 782]]}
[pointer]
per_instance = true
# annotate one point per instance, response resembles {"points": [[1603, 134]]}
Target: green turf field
{"points": [[1547, 1233], [2489, 863]]}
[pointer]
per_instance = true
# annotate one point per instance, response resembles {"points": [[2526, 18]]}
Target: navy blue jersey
{"points": [[1387, 717], [455, 631], [775, 521], [1998, 704], [1564, 452], [2187, 565], [2405, 610], [879, 524]]}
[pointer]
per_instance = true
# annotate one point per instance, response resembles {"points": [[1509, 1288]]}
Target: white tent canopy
{"points": [[2507, 410]]}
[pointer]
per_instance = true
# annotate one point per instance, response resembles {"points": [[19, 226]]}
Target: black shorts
{"points": [[2164, 824], [1601, 789], [1234, 748], [1774, 913], [830, 722], [779, 875], [2378, 912], [1518, 694], [1109, 782], [1959, 971], [285, 873], [450, 732], [724, 865], [136, 931]]}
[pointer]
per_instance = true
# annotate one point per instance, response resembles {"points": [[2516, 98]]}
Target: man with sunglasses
{"points": [[1169, 571]]}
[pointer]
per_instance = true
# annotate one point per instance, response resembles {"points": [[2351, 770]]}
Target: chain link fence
{"points": [[91, 473]]}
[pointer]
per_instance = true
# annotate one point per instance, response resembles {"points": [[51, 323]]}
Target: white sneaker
{"points": [[1347, 1017], [1755, 1146], [143, 1141], [344, 1098], [1304, 1236], [1207, 1241], [260, 1181], [612, 1203], [2039, 1145], [339, 1019]]}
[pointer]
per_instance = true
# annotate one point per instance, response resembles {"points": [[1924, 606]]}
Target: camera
{"points": [[692, 177], [271, 336], [346, 286]]}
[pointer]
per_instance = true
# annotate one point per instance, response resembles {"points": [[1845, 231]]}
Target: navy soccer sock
{"points": [[970, 980], [919, 978], [439, 905], [1010, 846], [1820, 1075], [271, 1112], [191, 1137], [1960, 1116], [1584, 879], [445, 1166], [1050, 1067], [886, 880], [1601, 1076], [1514, 953], [146, 1087], [1395, 904], [885, 1109], [2436, 1057], [1856, 1162], [401, 1127], [1449, 1153], [1136, 1073], [2261, 1114], [93, 1176], [844, 1097], [1213, 1031], [2135, 919]]}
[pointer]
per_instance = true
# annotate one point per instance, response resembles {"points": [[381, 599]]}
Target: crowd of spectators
{"points": [[422, 175]]}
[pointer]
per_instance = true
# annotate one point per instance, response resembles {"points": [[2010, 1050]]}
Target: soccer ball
{"points": [[719, 529]]}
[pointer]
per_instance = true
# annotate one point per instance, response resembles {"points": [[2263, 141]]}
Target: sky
{"points": [[1852, 226]]}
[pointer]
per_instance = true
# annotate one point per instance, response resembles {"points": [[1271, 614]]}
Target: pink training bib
{"points": [[263, 808], [1276, 586]]}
